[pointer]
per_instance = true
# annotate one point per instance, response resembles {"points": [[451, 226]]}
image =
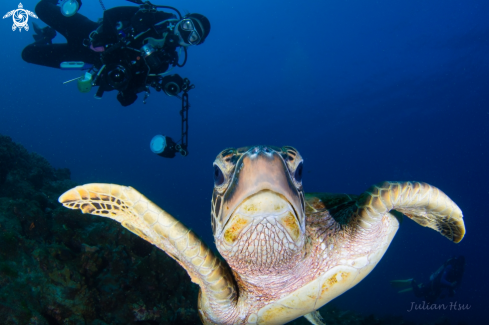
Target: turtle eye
{"points": [[298, 173], [218, 176]]}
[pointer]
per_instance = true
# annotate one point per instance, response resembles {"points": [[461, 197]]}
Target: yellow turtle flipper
{"points": [[144, 218], [421, 202]]}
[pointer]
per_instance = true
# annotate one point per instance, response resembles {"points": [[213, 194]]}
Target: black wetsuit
{"points": [[77, 29]]}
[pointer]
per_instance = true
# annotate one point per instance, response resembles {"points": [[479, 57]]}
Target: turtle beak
{"points": [[262, 170]]}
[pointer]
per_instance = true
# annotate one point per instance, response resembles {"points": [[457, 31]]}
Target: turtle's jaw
{"points": [[262, 235], [266, 208]]}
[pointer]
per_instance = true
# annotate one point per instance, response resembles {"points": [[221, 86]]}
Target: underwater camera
{"points": [[118, 76], [165, 147]]}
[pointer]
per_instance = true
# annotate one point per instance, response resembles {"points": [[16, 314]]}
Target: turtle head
{"points": [[258, 217]]}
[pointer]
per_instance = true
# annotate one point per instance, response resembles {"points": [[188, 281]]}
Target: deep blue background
{"points": [[366, 90]]}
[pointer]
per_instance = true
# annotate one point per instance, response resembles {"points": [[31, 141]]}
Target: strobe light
{"points": [[164, 146]]}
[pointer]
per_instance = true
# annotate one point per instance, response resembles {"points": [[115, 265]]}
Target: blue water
{"points": [[366, 90]]}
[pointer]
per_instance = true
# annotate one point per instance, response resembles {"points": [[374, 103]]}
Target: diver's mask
{"points": [[187, 32]]}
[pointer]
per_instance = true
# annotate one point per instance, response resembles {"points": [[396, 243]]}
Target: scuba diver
{"points": [[131, 50], [442, 283]]}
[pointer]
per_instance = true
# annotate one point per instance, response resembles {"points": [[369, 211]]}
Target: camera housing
{"points": [[156, 59], [118, 76]]}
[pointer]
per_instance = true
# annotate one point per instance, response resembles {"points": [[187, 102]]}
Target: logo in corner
{"points": [[20, 17]]}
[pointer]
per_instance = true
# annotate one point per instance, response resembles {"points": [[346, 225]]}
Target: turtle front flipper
{"points": [[421, 202], [144, 218]]}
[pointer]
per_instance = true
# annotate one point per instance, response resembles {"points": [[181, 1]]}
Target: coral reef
{"points": [[58, 266]]}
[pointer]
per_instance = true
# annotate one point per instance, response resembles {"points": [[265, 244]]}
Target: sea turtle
{"points": [[286, 253], [20, 17]]}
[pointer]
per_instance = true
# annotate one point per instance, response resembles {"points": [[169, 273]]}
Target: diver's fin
{"points": [[38, 38], [37, 29], [315, 318], [405, 290], [43, 35], [401, 283]]}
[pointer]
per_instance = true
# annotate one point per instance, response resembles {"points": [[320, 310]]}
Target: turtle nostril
{"points": [[267, 150]]}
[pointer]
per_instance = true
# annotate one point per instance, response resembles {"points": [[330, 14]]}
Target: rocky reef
{"points": [[59, 266]]}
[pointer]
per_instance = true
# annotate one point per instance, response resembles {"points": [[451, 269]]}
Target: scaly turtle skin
{"points": [[287, 253]]}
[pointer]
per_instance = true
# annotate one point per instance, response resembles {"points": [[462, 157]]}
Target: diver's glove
{"points": [[43, 35]]}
